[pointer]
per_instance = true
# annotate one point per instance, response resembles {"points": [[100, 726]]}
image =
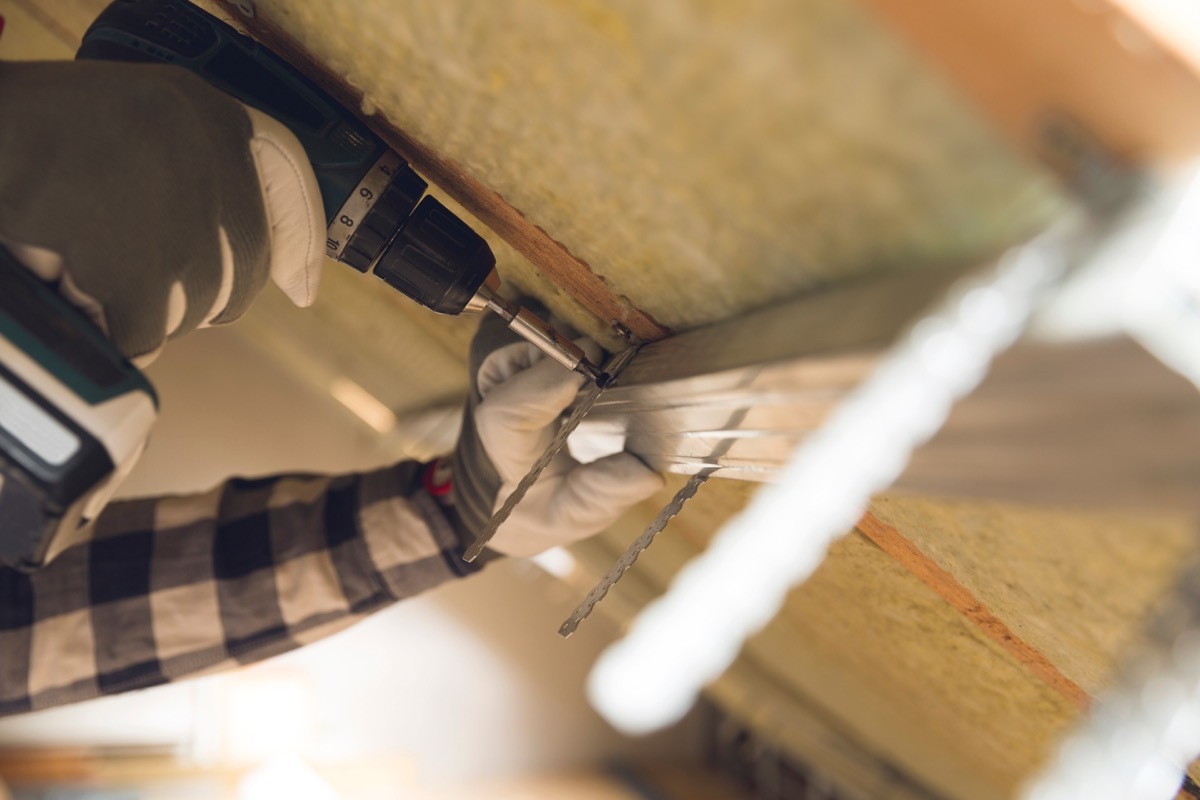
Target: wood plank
{"points": [[1098, 424], [556, 262], [1021, 60], [894, 543]]}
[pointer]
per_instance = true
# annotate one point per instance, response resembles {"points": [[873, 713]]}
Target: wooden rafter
{"points": [[1022, 60]]}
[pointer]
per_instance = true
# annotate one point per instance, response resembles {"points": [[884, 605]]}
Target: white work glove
{"points": [[156, 202], [515, 410]]}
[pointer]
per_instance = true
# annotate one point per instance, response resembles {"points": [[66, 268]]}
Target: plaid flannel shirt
{"points": [[174, 586]]}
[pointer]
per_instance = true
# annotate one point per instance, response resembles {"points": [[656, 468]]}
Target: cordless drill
{"points": [[376, 215], [75, 415]]}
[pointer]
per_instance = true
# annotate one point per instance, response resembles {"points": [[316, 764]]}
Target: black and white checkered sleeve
{"points": [[171, 587]]}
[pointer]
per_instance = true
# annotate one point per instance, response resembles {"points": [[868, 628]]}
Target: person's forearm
{"points": [[169, 587]]}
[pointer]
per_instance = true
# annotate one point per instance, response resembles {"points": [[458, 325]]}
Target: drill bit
{"points": [[537, 332], [656, 527]]}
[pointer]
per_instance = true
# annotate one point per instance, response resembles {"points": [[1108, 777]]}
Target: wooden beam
{"points": [[1097, 424], [1022, 60], [572, 274], [908, 555]]}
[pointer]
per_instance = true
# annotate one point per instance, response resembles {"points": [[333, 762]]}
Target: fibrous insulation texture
{"points": [[703, 157]]}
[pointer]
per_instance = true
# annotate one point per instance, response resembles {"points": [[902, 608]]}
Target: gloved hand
{"points": [[157, 202], [514, 410]]}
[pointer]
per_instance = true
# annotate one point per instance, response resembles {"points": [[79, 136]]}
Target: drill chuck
{"points": [[436, 259]]}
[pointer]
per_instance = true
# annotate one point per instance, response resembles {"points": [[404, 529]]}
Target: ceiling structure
{"points": [[679, 163]]}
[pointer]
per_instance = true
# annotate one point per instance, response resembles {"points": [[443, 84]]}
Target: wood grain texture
{"points": [[1021, 60], [1099, 424], [894, 543], [554, 260]]}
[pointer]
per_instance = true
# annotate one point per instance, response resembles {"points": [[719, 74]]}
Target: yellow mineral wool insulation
{"points": [[914, 678], [1074, 585], [909, 676], [702, 157]]}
